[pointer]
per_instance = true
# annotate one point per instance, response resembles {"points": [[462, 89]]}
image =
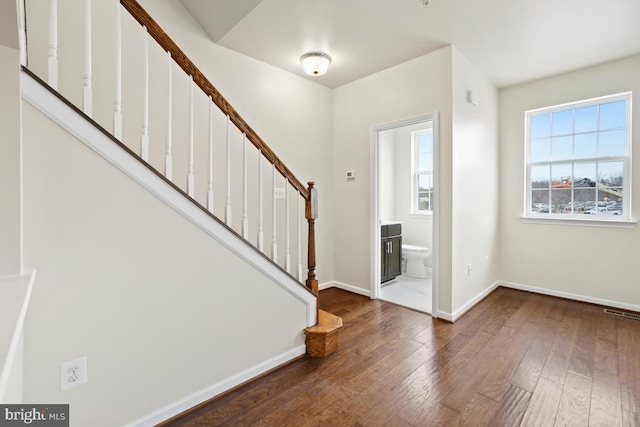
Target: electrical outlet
{"points": [[73, 373], [468, 269], [280, 193]]}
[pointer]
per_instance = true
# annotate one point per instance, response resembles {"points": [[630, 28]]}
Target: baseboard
{"points": [[173, 409], [452, 317], [445, 315], [567, 295], [473, 301], [344, 286], [325, 285]]}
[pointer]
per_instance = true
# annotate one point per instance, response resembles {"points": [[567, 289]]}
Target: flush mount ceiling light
{"points": [[315, 63], [425, 3]]}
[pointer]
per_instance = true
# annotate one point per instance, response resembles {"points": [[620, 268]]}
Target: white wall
{"points": [[475, 232], [9, 27], [595, 262], [419, 86], [148, 304], [292, 114], [10, 170], [388, 175], [11, 385]]}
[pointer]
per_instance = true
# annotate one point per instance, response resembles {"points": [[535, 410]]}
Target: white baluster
{"points": [[144, 137], [287, 251], [87, 99], [168, 156], [299, 215], [227, 206], [274, 242], [260, 228], [22, 33], [210, 168], [117, 99], [52, 62], [245, 220], [190, 176]]}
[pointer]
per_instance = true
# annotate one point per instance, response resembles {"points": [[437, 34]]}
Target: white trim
{"points": [[76, 125], [473, 301], [434, 118], [28, 281], [573, 219], [326, 285], [445, 315], [586, 222], [435, 226], [374, 254], [421, 215], [345, 287], [576, 297], [214, 390]]}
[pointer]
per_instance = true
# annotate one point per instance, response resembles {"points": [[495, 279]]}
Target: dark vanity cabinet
{"points": [[391, 255]]}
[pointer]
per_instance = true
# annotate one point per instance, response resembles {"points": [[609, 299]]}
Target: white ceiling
{"points": [[511, 41]]}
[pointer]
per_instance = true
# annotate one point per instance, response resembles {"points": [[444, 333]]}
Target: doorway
{"points": [[404, 173]]}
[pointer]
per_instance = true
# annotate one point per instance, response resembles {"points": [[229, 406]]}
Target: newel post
{"points": [[311, 213]]}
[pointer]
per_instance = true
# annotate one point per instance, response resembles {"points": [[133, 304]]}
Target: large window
{"points": [[422, 142], [578, 159]]}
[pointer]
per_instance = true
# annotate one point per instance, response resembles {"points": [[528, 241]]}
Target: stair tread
{"points": [[327, 323]]}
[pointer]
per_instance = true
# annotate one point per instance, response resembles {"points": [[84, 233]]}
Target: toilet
{"points": [[414, 257]]}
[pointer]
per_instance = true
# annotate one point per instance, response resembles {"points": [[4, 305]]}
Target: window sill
{"points": [[420, 215], [583, 222]]}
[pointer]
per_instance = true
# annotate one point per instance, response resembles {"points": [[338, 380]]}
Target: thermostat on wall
{"points": [[351, 175]]}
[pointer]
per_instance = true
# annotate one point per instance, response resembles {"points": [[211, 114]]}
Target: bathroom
{"points": [[406, 197]]}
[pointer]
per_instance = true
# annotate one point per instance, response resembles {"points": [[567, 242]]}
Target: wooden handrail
{"points": [[180, 58]]}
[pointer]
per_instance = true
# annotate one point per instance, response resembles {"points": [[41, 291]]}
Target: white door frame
{"points": [[375, 201]]}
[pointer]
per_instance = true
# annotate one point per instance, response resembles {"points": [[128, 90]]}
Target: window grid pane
{"points": [[423, 171], [577, 158]]}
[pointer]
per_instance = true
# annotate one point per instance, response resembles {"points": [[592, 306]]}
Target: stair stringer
{"points": [[88, 132]]}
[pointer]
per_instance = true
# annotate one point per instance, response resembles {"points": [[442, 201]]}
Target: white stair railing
{"points": [[178, 151], [87, 90], [190, 176], [245, 218], [227, 206], [274, 217], [117, 96], [210, 158], [144, 133], [260, 202], [52, 59], [168, 154]]}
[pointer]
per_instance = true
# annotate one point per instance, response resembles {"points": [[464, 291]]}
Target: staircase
{"points": [[185, 165]]}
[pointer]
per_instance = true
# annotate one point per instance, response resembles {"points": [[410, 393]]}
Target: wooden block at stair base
{"points": [[322, 339]]}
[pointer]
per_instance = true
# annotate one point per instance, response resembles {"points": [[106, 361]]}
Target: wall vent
{"points": [[633, 316]]}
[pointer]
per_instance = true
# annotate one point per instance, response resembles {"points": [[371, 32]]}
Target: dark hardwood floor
{"points": [[515, 359]]}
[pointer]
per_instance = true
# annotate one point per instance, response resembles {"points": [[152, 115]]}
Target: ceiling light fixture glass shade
{"points": [[315, 63]]}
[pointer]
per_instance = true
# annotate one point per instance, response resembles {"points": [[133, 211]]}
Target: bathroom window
{"points": [[422, 142], [578, 160]]}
